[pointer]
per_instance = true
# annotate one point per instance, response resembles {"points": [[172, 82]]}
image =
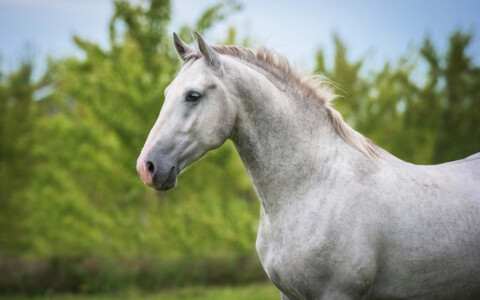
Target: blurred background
{"points": [[81, 84]]}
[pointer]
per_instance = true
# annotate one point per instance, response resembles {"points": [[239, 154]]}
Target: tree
{"points": [[430, 122], [18, 116], [86, 197]]}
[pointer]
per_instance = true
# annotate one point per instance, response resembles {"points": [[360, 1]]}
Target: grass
{"points": [[263, 291]]}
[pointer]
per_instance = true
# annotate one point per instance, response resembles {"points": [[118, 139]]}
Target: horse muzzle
{"points": [[157, 171]]}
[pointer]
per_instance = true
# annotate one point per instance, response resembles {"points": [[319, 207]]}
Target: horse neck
{"points": [[287, 143]]}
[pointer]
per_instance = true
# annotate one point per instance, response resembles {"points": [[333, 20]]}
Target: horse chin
{"points": [[170, 182]]}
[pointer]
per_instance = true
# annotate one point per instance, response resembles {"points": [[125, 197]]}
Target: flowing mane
{"points": [[310, 86]]}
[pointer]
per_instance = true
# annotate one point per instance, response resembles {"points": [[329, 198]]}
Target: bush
{"points": [[95, 274]]}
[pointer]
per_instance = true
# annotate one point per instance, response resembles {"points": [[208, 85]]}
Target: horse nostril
{"points": [[150, 168]]}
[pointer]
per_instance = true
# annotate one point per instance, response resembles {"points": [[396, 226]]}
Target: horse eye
{"points": [[192, 97]]}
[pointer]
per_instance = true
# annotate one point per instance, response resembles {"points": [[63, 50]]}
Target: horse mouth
{"points": [[170, 182]]}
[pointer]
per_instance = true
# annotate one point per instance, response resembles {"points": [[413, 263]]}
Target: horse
{"points": [[340, 218]]}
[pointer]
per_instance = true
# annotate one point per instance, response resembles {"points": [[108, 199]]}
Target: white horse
{"points": [[340, 217]]}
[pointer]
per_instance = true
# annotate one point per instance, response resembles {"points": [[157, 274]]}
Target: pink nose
{"points": [[146, 170]]}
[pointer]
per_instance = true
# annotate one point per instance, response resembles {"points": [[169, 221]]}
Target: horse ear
{"points": [[183, 50], [211, 56]]}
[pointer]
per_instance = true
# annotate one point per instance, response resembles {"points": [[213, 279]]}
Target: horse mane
{"points": [[313, 87]]}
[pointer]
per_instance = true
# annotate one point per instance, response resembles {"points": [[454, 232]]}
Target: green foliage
{"points": [[18, 115], [85, 197], [100, 275], [422, 122], [209, 17]]}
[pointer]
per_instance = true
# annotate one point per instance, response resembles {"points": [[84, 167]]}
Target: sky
{"points": [[377, 30]]}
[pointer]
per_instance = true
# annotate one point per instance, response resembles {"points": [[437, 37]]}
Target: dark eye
{"points": [[192, 97]]}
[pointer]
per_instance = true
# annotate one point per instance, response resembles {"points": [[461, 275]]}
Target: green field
{"points": [[264, 291]]}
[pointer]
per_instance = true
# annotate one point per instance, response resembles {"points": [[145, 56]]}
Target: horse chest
{"points": [[291, 262], [285, 271]]}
